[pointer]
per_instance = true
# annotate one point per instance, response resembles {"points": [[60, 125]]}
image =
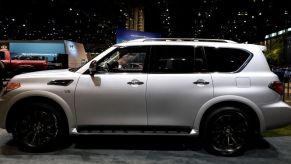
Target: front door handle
{"points": [[201, 82], [135, 82]]}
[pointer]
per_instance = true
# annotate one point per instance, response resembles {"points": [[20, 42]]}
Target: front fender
{"points": [[49, 95]]}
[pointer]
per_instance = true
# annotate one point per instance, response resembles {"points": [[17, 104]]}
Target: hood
{"points": [[48, 73]]}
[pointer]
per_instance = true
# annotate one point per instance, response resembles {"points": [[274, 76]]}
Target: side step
{"points": [[134, 131]]}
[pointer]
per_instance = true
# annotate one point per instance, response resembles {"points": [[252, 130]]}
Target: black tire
{"points": [[39, 127], [227, 131]]}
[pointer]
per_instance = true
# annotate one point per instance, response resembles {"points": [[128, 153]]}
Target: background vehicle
{"points": [[284, 73], [21, 63], [219, 90]]}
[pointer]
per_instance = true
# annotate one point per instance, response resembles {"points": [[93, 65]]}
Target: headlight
{"points": [[12, 86]]}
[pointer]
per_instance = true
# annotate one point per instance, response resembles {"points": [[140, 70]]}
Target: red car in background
{"points": [[22, 63]]}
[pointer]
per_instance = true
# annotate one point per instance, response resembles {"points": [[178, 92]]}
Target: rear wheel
{"points": [[39, 127], [227, 131]]}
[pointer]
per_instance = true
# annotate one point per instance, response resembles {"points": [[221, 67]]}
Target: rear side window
{"points": [[172, 59], [225, 59]]}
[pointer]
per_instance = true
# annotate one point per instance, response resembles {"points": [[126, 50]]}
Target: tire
{"points": [[227, 131], [39, 127]]}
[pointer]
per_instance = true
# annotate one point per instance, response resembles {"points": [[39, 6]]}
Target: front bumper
{"points": [[276, 115]]}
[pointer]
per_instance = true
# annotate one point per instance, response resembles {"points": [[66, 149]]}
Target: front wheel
{"points": [[39, 127], [227, 131]]}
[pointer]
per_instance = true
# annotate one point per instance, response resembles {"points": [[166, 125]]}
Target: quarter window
{"points": [[225, 59]]}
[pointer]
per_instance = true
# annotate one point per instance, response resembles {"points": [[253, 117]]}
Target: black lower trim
{"points": [[135, 129]]}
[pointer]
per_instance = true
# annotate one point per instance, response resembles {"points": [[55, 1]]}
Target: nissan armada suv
{"points": [[219, 90]]}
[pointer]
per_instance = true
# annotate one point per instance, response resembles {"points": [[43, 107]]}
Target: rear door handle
{"points": [[201, 82], [135, 82]]}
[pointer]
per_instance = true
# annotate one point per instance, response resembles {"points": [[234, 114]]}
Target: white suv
{"points": [[218, 89]]}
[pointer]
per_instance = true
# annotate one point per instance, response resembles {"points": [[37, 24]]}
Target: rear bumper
{"points": [[276, 115]]}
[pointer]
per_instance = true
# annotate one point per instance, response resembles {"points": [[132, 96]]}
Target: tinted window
{"points": [[128, 59], [225, 59], [2, 55], [200, 62], [172, 59]]}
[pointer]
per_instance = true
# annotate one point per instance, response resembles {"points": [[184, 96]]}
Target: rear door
{"points": [[176, 89]]}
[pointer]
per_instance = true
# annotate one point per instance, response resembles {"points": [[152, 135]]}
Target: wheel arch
{"points": [[236, 101], [45, 97]]}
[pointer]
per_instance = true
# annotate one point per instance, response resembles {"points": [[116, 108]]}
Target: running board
{"points": [[134, 131]]}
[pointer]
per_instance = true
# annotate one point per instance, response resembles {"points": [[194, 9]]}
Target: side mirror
{"points": [[93, 67]]}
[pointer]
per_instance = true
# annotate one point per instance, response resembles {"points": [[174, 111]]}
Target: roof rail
{"points": [[185, 39]]}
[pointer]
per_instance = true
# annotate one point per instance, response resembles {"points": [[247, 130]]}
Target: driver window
{"points": [[126, 59]]}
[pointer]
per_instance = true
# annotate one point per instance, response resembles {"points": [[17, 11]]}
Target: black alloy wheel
{"points": [[227, 132], [39, 128]]}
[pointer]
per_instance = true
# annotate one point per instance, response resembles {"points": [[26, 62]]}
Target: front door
{"points": [[116, 94]]}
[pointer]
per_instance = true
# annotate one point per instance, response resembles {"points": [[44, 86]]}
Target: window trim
{"points": [[149, 57], [205, 58], [246, 62]]}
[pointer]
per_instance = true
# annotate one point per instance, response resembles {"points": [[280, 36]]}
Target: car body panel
{"points": [[174, 99], [108, 99], [229, 98], [35, 84]]}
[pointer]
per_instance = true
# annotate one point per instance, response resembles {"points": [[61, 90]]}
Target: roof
{"points": [[192, 42], [183, 39]]}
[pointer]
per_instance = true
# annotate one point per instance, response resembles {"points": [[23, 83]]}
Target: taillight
{"points": [[277, 86]]}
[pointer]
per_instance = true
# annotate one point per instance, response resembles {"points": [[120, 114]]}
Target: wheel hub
{"points": [[227, 130]]}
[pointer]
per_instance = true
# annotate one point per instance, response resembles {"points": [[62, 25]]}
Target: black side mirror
{"points": [[93, 67]]}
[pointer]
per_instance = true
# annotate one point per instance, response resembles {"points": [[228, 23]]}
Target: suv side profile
{"points": [[219, 90]]}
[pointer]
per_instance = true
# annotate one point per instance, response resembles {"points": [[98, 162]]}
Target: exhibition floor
{"points": [[138, 149]]}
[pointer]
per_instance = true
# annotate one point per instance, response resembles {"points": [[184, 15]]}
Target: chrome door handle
{"points": [[201, 82], [135, 82]]}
